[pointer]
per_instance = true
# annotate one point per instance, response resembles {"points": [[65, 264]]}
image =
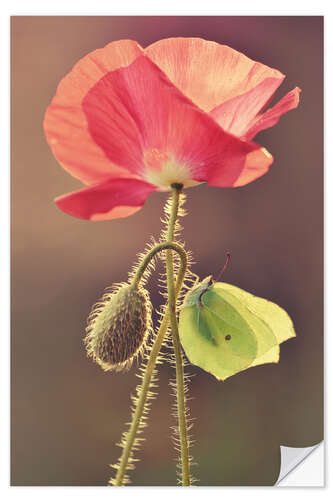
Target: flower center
{"points": [[163, 170]]}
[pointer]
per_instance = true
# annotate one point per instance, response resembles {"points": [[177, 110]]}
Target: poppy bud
{"points": [[118, 326]]}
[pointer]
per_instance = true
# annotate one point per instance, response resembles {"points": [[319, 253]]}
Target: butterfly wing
{"points": [[225, 330]]}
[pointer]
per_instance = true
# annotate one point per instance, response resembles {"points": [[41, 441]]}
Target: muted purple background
{"points": [[67, 414]]}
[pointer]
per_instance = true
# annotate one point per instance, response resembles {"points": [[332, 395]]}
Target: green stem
{"points": [[144, 389], [151, 254], [180, 386]]}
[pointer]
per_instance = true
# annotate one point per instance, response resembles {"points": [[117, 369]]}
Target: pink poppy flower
{"points": [[129, 121]]}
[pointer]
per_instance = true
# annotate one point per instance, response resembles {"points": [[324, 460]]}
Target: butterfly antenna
{"points": [[227, 260]]}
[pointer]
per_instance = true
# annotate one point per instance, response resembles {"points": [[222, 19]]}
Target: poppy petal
{"points": [[271, 116], [65, 123], [207, 72], [136, 110], [237, 114], [248, 168], [112, 199]]}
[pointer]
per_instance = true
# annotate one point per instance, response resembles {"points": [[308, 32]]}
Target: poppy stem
{"points": [[130, 437], [172, 301], [151, 254]]}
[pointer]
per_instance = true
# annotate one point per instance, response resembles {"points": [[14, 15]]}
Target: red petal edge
{"points": [[271, 117], [65, 123], [237, 115], [113, 199]]}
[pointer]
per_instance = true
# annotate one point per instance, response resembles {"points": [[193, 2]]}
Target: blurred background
{"points": [[67, 415]]}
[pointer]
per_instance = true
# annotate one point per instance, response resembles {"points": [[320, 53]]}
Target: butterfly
{"points": [[224, 329]]}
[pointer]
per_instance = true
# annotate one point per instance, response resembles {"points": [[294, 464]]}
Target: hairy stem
{"points": [[180, 386], [151, 254], [147, 376]]}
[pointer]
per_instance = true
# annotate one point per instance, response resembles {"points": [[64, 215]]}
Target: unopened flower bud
{"points": [[118, 326]]}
